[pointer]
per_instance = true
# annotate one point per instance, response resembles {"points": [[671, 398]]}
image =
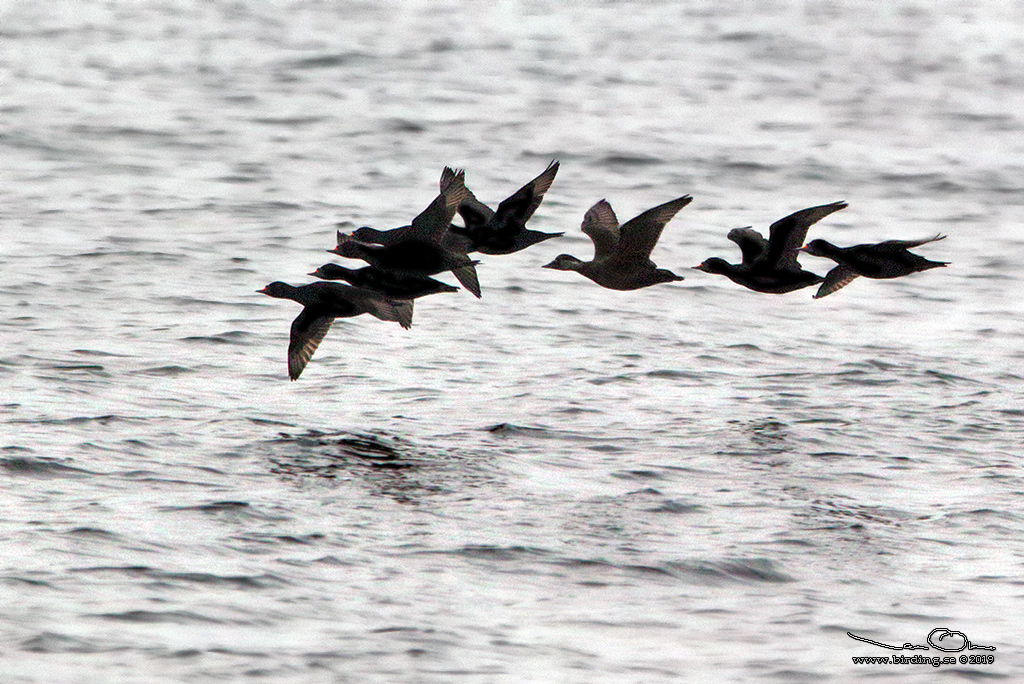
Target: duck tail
{"points": [[667, 276]]}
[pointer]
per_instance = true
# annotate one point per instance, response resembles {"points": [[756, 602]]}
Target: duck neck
{"points": [[827, 249]]}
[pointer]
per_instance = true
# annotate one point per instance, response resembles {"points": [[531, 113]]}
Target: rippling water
{"points": [[556, 482]]}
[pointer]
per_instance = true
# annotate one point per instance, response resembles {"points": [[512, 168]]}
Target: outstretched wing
{"points": [[751, 243], [788, 234], [601, 224], [447, 176], [473, 211], [308, 330], [379, 306], [836, 279], [908, 244], [518, 208], [638, 236], [433, 222], [467, 276], [403, 312]]}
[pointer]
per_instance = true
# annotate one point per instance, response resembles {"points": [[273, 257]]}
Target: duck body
{"points": [[503, 231], [385, 282], [622, 254], [409, 257], [422, 248], [770, 265], [882, 260], [497, 240], [323, 302], [614, 276], [449, 241], [768, 281]]}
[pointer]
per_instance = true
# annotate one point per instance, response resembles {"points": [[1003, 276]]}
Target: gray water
{"points": [[557, 482]]}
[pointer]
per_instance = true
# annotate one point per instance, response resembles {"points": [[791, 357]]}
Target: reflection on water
{"points": [[385, 464]]}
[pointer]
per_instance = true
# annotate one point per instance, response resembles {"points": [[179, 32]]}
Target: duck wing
{"points": [[601, 224], [836, 279], [908, 244], [638, 236], [308, 330], [752, 244], [517, 209], [473, 212], [402, 313], [433, 222], [455, 241], [787, 235], [379, 306], [378, 237], [467, 276]]}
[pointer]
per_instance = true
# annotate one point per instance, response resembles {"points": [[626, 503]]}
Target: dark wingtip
{"points": [[820, 295]]}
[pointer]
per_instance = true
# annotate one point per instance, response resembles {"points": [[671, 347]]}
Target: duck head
{"points": [[713, 265], [331, 272], [565, 262], [347, 247], [365, 233], [819, 248], [277, 289]]}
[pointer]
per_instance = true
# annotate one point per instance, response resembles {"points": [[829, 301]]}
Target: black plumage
{"points": [[770, 265], [889, 259]]}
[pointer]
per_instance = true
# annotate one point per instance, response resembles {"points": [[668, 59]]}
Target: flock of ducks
{"points": [[401, 261]]}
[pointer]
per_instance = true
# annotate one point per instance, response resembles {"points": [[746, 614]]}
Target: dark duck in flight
{"points": [[419, 249], [387, 283], [889, 259], [770, 265], [622, 255], [322, 302], [503, 230]]}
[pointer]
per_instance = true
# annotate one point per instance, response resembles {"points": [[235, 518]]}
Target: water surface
{"points": [[691, 482]]}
